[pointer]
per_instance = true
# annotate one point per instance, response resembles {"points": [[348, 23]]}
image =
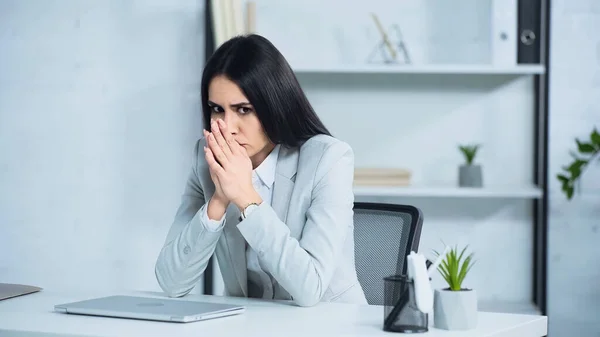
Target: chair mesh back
{"points": [[381, 239]]}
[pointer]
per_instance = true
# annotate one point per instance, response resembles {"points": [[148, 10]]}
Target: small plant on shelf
{"points": [[470, 174], [587, 152], [469, 151], [455, 266]]}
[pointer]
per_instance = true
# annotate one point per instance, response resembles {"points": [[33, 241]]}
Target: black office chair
{"points": [[384, 234]]}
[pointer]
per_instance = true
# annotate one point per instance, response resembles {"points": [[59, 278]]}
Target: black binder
{"points": [[209, 49], [529, 24], [209, 41]]}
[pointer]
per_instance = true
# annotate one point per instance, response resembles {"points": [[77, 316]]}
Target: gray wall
{"points": [[574, 249]]}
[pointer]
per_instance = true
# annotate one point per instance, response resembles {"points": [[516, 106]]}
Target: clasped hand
{"points": [[230, 167]]}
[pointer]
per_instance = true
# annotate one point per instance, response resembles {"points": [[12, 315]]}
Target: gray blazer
{"points": [[305, 240]]}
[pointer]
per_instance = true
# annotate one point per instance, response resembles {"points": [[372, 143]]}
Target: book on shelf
{"points": [[516, 28], [227, 19], [529, 29], [381, 177], [504, 37]]}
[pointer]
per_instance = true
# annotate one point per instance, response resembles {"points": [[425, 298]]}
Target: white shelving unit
{"points": [[449, 192], [391, 69], [525, 308], [436, 98], [516, 192]]}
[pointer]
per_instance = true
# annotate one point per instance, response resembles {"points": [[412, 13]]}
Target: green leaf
{"points": [[463, 270], [585, 147], [588, 151], [579, 163], [569, 192], [595, 137], [462, 253], [575, 168], [469, 151], [444, 268], [455, 266], [468, 269], [562, 178]]}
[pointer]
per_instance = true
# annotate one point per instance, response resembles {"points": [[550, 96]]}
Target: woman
{"points": [[270, 191]]}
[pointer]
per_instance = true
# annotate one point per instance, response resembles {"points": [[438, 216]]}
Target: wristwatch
{"points": [[247, 210]]}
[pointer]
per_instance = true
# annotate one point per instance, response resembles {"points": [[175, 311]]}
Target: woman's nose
{"points": [[230, 121]]}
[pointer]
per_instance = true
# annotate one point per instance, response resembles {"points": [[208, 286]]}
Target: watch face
{"points": [[248, 210]]}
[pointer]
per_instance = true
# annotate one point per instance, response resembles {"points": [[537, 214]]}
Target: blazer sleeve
{"points": [[190, 241], [305, 267]]}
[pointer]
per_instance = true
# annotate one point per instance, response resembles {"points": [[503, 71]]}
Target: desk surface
{"points": [[34, 313]]}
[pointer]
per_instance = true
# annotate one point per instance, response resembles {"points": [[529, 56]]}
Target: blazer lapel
{"points": [[285, 174]]}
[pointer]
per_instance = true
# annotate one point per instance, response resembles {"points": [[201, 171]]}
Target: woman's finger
{"points": [[233, 145], [240, 149], [216, 131], [212, 163], [206, 138], [216, 150]]}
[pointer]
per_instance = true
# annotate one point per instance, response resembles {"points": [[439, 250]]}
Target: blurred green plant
{"points": [[469, 151], [587, 152]]}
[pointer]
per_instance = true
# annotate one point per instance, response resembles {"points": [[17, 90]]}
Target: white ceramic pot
{"points": [[455, 310]]}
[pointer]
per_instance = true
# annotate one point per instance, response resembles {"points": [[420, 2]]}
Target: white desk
{"points": [[34, 313]]}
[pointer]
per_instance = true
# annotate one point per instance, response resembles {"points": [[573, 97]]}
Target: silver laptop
{"points": [[9, 290], [146, 308]]}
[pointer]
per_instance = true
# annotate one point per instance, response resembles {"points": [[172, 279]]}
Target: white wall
{"points": [[99, 110], [573, 268], [314, 32]]}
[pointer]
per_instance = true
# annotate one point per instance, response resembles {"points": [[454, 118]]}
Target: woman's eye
{"points": [[244, 110], [215, 109]]}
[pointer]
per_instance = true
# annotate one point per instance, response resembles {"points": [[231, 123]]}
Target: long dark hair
{"points": [[267, 80]]}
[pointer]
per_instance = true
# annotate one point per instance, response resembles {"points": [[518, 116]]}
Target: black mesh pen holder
{"points": [[400, 308]]}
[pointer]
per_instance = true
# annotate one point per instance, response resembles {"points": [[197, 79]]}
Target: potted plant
{"points": [[470, 174], [455, 307], [587, 152]]}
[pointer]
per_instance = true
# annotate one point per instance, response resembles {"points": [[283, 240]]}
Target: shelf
{"points": [[524, 308], [483, 69], [449, 192]]}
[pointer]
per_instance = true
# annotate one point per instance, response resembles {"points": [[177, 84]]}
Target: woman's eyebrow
{"points": [[240, 104], [234, 105]]}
